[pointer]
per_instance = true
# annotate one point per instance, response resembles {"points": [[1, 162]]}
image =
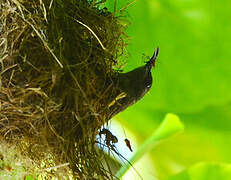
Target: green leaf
{"points": [[205, 171], [169, 127]]}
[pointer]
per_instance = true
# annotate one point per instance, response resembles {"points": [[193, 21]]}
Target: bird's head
{"points": [[138, 81]]}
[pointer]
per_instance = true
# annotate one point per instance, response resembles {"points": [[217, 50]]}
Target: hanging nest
{"points": [[57, 58]]}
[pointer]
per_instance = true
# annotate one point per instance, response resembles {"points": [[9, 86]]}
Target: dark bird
{"points": [[132, 86]]}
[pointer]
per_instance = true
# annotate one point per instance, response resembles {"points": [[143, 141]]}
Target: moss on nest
{"points": [[56, 58]]}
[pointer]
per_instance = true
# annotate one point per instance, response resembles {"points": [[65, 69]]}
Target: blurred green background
{"points": [[191, 79]]}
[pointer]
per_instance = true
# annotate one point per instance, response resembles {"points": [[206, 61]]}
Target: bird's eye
{"points": [[149, 85], [148, 82]]}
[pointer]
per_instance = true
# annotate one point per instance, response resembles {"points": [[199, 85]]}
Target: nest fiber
{"points": [[56, 58]]}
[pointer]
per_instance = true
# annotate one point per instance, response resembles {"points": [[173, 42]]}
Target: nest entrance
{"points": [[56, 59]]}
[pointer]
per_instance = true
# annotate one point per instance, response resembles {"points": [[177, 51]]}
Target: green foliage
{"points": [[12, 164], [205, 171], [29, 178], [170, 126], [192, 78]]}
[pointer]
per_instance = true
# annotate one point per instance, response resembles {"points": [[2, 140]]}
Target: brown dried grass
{"points": [[56, 58]]}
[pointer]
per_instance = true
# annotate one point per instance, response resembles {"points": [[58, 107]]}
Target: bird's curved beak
{"points": [[153, 58]]}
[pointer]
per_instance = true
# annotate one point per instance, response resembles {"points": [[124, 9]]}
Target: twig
{"points": [[58, 166], [101, 44], [41, 38]]}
